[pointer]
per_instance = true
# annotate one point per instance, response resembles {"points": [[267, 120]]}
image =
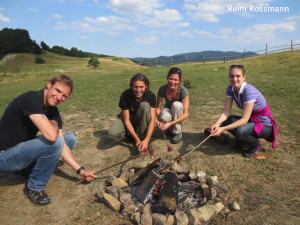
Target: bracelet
{"points": [[79, 170]]}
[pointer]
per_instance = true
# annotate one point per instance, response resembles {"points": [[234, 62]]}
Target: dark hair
{"points": [[64, 80], [140, 77], [175, 70], [240, 67]]}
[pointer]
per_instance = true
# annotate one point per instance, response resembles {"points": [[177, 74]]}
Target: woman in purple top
{"points": [[256, 120]]}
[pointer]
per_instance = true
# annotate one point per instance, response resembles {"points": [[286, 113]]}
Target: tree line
{"points": [[19, 41]]}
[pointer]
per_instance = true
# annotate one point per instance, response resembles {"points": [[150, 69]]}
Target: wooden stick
{"points": [[116, 164], [196, 146]]}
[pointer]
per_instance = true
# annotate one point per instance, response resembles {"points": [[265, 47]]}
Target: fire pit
{"points": [[163, 193]]}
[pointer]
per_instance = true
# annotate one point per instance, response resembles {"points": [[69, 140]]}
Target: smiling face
{"points": [[173, 81], [236, 78], [139, 88], [56, 94]]}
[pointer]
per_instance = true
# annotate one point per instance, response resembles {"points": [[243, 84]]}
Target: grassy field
{"points": [[270, 187]]}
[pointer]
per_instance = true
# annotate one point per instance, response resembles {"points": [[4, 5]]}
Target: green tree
{"points": [[94, 62], [45, 46]]}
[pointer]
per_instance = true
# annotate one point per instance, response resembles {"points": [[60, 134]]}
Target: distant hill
{"points": [[192, 57]]}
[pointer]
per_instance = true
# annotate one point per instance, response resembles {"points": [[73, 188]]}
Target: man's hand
{"points": [[88, 175]]}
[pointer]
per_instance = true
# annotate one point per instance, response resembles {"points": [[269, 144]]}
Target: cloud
{"points": [[83, 37], [109, 25], [167, 17], [134, 7], [4, 19], [32, 10], [209, 10], [56, 16], [293, 18], [263, 32], [147, 40]]}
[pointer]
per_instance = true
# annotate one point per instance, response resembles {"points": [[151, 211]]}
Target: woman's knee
{"points": [[177, 105]]}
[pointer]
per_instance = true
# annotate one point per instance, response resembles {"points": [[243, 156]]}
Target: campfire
{"points": [[165, 193]]}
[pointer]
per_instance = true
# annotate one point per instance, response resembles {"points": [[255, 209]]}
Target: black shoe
{"points": [[36, 197], [253, 152]]}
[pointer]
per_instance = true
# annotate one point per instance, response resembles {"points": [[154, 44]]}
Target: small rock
{"points": [[128, 205], [213, 193], [158, 219], [182, 177], [179, 167], [126, 174], [212, 181], [112, 202], [235, 206], [192, 175], [170, 219], [204, 214], [181, 218], [119, 183], [112, 190], [136, 218], [146, 218]]}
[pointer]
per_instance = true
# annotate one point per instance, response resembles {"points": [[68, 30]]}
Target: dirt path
{"points": [[267, 190]]}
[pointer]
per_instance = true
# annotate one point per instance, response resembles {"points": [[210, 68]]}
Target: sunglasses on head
{"points": [[237, 66], [174, 70]]}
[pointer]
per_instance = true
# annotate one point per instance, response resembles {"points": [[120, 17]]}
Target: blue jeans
{"points": [[38, 153], [246, 132]]}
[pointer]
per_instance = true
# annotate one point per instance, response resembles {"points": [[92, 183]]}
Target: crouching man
{"points": [[21, 149], [137, 118]]}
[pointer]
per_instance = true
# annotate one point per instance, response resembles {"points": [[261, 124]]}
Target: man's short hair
{"points": [[64, 80]]}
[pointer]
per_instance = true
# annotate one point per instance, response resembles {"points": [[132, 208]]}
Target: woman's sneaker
{"points": [[177, 138], [36, 197], [253, 152]]}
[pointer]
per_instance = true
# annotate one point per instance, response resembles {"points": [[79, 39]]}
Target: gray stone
{"points": [[136, 218], [119, 183], [146, 218], [179, 168], [112, 202], [181, 218], [158, 219], [128, 205], [204, 214], [170, 219], [112, 190], [235, 206], [126, 174], [192, 175], [212, 181]]}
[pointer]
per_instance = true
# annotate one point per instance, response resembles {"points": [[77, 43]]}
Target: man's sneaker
{"points": [[36, 197], [253, 152], [177, 138]]}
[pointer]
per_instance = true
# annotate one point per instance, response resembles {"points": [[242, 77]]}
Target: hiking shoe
{"points": [[253, 152], [36, 197], [177, 138]]}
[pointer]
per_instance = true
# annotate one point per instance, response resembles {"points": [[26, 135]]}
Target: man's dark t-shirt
{"points": [[15, 124], [128, 102]]}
